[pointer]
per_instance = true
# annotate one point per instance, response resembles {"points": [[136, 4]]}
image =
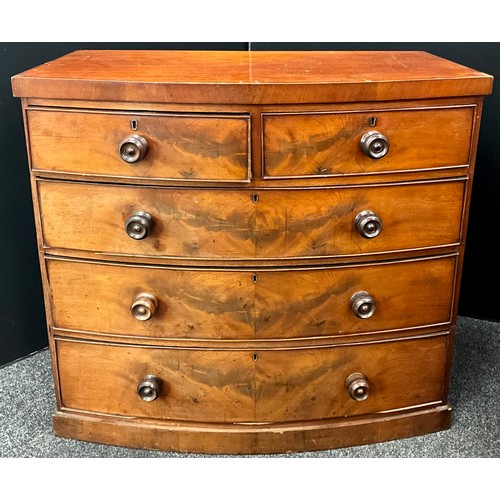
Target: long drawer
{"points": [[242, 304], [245, 385], [247, 225], [331, 143], [189, 147]]}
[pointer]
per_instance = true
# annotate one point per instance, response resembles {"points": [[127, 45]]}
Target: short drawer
{"points": [[185, 147], [329, 144], [247, 385], [197, 224], [149, 301]]}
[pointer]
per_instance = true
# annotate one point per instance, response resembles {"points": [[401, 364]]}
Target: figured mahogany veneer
{"points": [[249, 77], [189, 146], [201, 224], [311, 144], [233, 385], [251, 252], [243, 304]]}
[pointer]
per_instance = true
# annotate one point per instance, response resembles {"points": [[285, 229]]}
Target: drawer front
{"points": [[328, 144], [247, 225], [250, 386], [197, 385], [180, 147], [239, 304]]}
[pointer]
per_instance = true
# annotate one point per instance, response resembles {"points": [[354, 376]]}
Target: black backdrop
{"points": [[22, 320]]}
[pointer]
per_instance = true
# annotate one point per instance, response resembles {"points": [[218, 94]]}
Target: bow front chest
{"points": [[251, 252]]}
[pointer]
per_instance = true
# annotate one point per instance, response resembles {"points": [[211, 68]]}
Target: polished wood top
{"points": [[249, 77]]}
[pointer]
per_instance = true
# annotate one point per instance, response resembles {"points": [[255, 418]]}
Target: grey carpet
{"points": [[27, 402]]}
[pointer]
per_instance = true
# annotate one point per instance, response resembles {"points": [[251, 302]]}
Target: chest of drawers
{"points": [[251, 252]]}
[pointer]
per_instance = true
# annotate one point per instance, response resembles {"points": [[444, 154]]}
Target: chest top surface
{"points": [[249, 77]]}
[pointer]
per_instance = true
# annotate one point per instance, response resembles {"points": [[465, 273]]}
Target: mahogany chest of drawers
{"points": [[251, 252]]}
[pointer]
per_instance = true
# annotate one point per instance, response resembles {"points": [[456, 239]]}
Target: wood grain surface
{"points": [[257, 439], [223, 304], [249, 77], [228, 224], [325, 144], [244, 386], [180, 146]]}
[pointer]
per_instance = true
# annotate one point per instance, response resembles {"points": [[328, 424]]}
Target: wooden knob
{"points": [[368, 224], [374, 144], [362, 304], [133, 148], [149, 388], [144, 306], [358, 387], [138, 225]]}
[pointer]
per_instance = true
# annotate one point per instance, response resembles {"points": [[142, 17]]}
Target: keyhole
{"points": [[134, 124], [255, 198], [255, 357], [373, 121], [254, 278]]}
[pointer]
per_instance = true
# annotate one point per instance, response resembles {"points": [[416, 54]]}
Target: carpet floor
{"points": [[27, 402]]}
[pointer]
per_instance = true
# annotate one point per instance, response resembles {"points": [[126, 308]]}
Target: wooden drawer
{"points": [[196, 224], [241, 304], [328, 144], [181, 147], [250, 386]]}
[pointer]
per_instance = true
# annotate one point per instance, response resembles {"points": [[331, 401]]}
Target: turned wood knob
{"points": [[374, 144], [358, 387], [144, 306], [133, 148], [138, 225], [368, 224], [149, 388], [362, 304]]}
